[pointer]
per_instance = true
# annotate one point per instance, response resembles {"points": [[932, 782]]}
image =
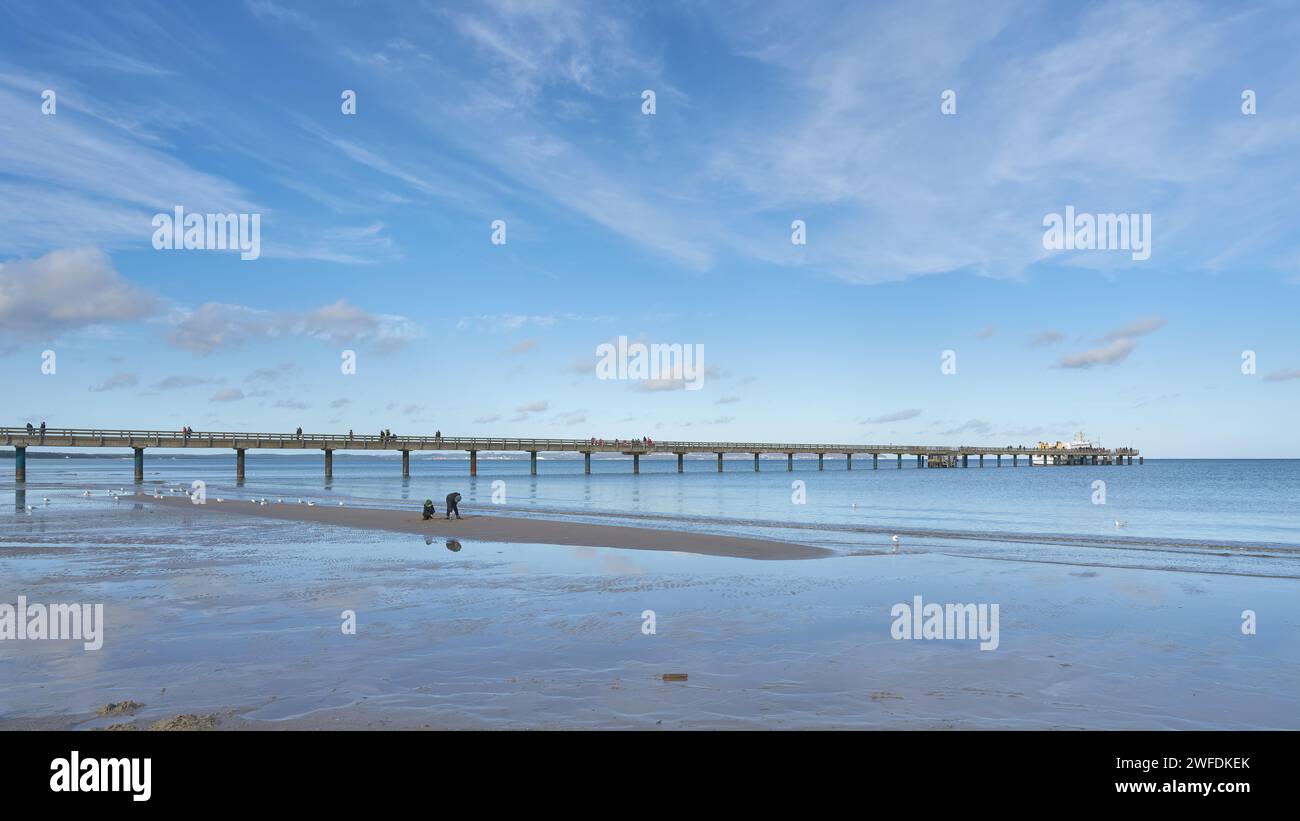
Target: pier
{"points": [[924, 456]]}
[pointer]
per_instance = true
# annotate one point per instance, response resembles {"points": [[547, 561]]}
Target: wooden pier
{"points": [[932, 456]]}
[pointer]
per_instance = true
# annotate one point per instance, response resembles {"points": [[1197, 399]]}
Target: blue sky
{"points": [[924, 230]]}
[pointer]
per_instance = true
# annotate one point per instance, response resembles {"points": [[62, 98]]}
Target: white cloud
{"points": [[1111, 354], [214, 325], [66, 290]]}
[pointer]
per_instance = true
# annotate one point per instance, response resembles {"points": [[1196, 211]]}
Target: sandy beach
{"points": [[503, 529]]}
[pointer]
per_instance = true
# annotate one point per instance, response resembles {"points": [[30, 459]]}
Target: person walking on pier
{"points": [[453, 499], [42, 431]]}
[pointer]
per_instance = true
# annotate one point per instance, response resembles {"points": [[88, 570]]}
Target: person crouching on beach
{"points": [[452, 499], [429, 509]]}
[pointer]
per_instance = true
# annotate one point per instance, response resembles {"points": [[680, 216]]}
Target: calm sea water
{"points": [[1226, 516]]}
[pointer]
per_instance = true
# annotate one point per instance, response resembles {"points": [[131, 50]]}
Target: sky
{"points": [[921, 145]]}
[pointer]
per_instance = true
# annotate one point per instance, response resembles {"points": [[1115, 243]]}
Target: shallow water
{"points": [[241, 616], [1221, 516]]}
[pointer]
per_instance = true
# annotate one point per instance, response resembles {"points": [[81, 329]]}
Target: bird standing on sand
{"points": [[894, 540], [1118, 523]]}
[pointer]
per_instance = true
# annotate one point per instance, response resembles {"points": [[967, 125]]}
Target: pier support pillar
{"points": [[20, 464], [139, 464], [473, 463], [239, 464], [532, 463], [636, 463], [756, 463], [1140, 462], [965, 460], [875, 461], [820, 461], [681, 462], [1015, 460], [789, 462], [848, 457], [999, 460], [719, 463], [900, 461], [981, 460], [1130, 460], [406, 464], [586, 462], [329, 463], [918, 460]]}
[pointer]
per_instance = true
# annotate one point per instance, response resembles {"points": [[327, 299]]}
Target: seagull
{"points": [[219, 499], [1118, 523], [46, 500], [300, 501], [894, 539], [340, 504], [87, 493], [279, 501], [854, 505]]}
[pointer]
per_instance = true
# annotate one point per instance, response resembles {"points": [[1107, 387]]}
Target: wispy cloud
{"points": [[1111, 354], [896, 416]]}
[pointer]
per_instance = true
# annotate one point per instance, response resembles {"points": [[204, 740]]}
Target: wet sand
{"points": [[506, 529]]}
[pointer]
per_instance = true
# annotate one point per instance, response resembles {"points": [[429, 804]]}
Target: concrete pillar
{"points": [[918, 460], [848, 460], [329, 463], [586, 462], [473, 463], [719, 463], [1140, 460], [900, 461], [139, 464], [1015, 460], [981, 460], [20, 464], [1130, 460], [820, 463], [239, 464], [756, 463], [636, 463], [681, 462], [965, 461], [999, 460], [875, 461], [789, 462], [532, 463], [406, 464]]}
